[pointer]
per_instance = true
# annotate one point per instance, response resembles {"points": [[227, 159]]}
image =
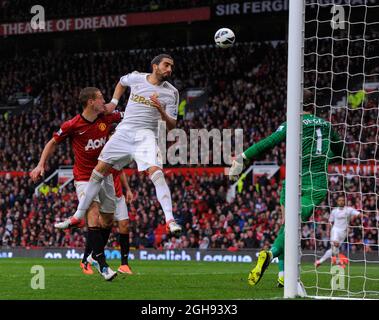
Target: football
{"points": [[224, 38]]}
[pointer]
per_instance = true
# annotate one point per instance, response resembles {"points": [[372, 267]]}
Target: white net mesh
{"points": [[341, 67]]}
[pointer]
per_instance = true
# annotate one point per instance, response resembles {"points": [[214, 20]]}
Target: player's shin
{"points": [[97, 243], [105, 232], [281, 263], [277, 248], [327, 255], [87, 250], [90, 192], [336, 252], [123, 240], [163, 194]]}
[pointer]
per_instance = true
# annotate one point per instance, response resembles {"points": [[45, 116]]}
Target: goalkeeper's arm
{"points": [[257, 149]]}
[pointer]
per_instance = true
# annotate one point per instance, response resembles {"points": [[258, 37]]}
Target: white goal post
{"points": [[333, 51], [293, 146]]}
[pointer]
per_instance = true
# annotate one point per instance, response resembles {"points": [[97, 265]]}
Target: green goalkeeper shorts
{"points": [[311, 196]]}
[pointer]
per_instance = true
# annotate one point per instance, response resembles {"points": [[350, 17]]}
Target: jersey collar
{"points": [[86, 120], [153, 85]]}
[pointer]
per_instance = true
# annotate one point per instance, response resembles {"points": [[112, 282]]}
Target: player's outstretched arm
{"points": [[117, 94], [125, 184], [39, 170], [257, 149], [254, 151]]}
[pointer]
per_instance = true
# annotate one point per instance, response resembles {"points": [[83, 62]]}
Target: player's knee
{"points": [[106, 220], [157, 177], [106, 224], [97, 176], [153, 169], [123, 226], [93, 223], [93, 216], [102, 168]]}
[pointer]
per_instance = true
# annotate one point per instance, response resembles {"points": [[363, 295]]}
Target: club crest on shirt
{"points": [[102, 126]]}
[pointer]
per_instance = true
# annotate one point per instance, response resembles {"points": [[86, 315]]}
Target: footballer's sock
{"points": [[90, 192], [336, 253], [123, 239], [87, 251], [327, 255], [97, 243], [275, 251], [105, 232], [281, 264], [278, 246], [163, 194]]}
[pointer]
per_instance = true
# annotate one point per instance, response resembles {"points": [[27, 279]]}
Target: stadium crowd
{"points": [[250, 221], [246, 89], [245, 86]]}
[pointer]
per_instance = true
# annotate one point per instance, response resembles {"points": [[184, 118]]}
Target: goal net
{"points": [[341, 68]]}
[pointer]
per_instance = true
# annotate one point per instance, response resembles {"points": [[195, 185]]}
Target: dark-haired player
{"points": [[152, 98], [339, 218]]}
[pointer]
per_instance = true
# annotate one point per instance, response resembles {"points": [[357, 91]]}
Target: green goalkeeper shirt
{"points": [[320, 143]]}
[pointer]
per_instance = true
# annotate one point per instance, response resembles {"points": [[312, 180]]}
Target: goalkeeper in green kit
{"points": [[320, 144]]}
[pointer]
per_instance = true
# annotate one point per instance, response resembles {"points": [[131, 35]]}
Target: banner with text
{"points": [[108, 21], [246, 256], [250, 7], [239, 8], [209, 255]]}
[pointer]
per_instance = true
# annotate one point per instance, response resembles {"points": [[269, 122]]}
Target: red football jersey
{"points": [[117, 182], [87, 140]]}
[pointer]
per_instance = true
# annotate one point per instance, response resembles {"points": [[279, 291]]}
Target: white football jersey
{"points": [[139, 114], [340, 217]]}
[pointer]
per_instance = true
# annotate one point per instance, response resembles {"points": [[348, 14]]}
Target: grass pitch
{"points": [[159, 280]]}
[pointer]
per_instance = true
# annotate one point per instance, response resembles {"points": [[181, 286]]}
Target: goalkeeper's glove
{"points": [[238, 164]]}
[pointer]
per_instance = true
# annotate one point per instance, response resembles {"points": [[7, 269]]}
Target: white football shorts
{"points": [[124, 147], [338, 235], [106, 196]]}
